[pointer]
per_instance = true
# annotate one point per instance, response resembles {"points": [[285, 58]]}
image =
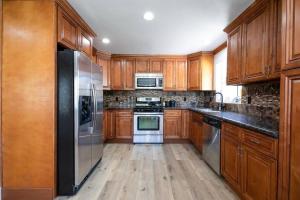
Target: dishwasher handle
{"points": [[213, 122]]}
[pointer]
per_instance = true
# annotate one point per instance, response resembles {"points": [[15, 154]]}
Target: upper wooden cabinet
{"points": [[289, 139], [253, 44], [66, 29], [72, 31], [85, 43], [104, 60], [117, 82], [156, 66], [142, 65], [122, 74], [290, 34], [129, 69], [256, 44], [234, 58], [149, 65], [175, 75], [200, 72]]}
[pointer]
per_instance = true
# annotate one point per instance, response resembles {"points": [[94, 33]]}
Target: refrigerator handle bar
{"points": [[95, 108]]}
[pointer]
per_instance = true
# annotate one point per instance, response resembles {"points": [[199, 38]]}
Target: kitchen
{"points": [[100, 101]]}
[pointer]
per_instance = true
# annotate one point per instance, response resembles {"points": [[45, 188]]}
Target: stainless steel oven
{"points": [[148, 81], [148, 120], [148, 127]]}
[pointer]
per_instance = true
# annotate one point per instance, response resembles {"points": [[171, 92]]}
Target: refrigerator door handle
{"points": [[95, 104]]}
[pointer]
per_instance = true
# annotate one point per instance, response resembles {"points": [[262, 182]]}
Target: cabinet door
{"points": [[194, 74], [116, 74], [109, 124], [66, 30], [291, 34], [231, 161], [289, 139], [185, 124], [129, 69], [124, 124], [156, 66], [234, 56], [106, 72], [172, 127], [256, 46], [142, 66], [198, 136], [85, 43], [181, 75], [169, 74], [259, 176]]}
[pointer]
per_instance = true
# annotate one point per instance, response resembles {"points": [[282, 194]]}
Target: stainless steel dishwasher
{"points": [[211, 142]]}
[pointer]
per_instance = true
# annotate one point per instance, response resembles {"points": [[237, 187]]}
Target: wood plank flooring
{"points": [[153, 172]]}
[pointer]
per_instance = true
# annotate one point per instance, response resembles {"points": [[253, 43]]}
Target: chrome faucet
{"points": [[221, 105]]}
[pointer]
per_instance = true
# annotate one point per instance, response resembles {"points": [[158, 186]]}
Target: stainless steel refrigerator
{"points": [[79, 119]]}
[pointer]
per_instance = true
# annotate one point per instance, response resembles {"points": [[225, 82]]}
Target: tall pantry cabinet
{"points": [[289, 139]]}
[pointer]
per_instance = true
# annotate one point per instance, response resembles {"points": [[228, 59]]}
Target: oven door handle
{"points": [[147, 114]]}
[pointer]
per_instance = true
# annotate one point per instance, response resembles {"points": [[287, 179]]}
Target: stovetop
{"points": [[156, 108]]}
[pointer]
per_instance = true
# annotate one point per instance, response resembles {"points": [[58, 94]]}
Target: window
{"points": [[231, 94]]}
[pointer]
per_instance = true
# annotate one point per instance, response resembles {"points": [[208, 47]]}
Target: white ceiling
{"points": [[179, 27]]}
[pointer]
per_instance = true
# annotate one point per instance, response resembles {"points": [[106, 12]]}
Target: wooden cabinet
{"points": [[259, 175], [156, 66], [289, 139], [122, 74], [185, 114], [66, 29], [290, 34], [117, 74], [142, 65], [249, 162], [254, 43], [85, 42], [175, 75], [109, 124], [104, 61], [129, 69], [124, 124], [72, 31], [234, 56], [196, 130], [200, 72], [181, 75], [172, 124]]}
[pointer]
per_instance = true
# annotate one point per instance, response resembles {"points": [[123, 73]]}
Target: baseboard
{"points": [[27, 194], [122, 141]]}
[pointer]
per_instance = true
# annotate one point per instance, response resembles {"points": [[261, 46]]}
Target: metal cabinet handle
{"points": [[254, 141]]}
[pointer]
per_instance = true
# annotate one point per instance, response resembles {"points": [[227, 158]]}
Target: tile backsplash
{"points": [[259, 99]]}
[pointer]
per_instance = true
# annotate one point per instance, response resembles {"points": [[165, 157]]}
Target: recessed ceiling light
{"points": [[105, 41], [148, 16]]}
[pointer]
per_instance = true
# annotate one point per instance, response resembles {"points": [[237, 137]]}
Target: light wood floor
{"points": [[153, 172]]}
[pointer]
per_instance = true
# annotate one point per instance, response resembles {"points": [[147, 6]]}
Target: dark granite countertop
{"points": [[264, 126]]}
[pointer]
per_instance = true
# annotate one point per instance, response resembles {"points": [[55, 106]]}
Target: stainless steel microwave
{"points": [[149, 81]]}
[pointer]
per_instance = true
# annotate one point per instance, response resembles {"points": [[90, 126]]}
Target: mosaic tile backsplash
{"points": [[259, 99]]}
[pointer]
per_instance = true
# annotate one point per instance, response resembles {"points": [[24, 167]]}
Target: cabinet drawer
{"points": [[231, 131], [263, 144], [124, 113], [174, 113]]}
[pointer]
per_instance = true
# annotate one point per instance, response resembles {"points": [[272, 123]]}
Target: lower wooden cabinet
{"points": [[172, 124], [249, 168], [118, 124], [196, 130], [231, 162], [124, 124], [109, 122], [259, 175], [185, 117]]}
